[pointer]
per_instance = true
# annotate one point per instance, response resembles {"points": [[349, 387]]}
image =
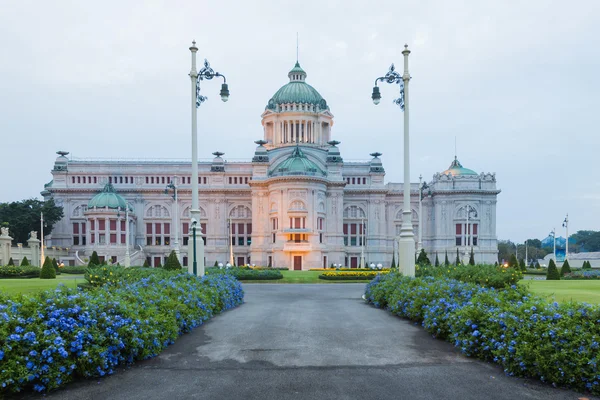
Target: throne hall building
{"points": [[295, 204]]}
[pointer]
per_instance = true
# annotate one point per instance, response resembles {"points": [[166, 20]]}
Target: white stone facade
{"points": [[291, 218]]}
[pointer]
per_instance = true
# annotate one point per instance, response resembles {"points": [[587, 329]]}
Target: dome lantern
{"points": [[456, 169]]}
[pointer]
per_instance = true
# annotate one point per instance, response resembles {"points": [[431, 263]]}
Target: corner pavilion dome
{"points": [[108, 198], [297, 164], [456, 169], [297, 91]]}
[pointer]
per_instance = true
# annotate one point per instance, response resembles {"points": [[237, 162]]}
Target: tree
{"points": [[24, 216], [393, 261], [48, 271], [446, 261], [146, 265], [216, 264], [522, 266], [24, 262], [457, 262], [94, 260], [586, 240], [172, 263], [536, 243], [586, 265], [472, 257], [552, 274], [11, 262], [565, 269], [423, 259], [437, 260]]}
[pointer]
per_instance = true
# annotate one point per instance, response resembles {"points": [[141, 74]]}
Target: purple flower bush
{"points": [[556, 343], [590, 274], [50, 338]]}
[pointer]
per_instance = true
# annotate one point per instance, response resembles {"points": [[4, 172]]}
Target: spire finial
{"points": [[455, 155], [296, 46]]}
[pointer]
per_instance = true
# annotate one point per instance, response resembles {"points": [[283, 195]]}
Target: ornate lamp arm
{"points": [[208, 73]]}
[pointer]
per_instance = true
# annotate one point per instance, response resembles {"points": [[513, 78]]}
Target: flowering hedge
{"points": [[556, 343], [486, 275], [584, 274], [52, 337], [348, 276]]}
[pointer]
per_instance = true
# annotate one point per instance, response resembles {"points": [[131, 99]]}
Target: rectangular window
{"points": [[167, 228], [75, 240], [101, 224], [320, 238], [249, 229], [241, 229], [273, 238], [110, 179], [83, 240], [240, 241], [95, 180], [151, 179], [102, 238], [185, 261], [148, 229], [157, 229], [146, 180], [123, 226], [167, 240], [76, 228], [123, 238], [113, 224], [113, 238], [186, 228], [148, 240], [126, 179], [203, 227], [83, 228], [158, 241], [233, 229]]}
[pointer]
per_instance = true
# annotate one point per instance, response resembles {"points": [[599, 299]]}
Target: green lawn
{"points": [[302, 277], [561, 291], [15, 286]]}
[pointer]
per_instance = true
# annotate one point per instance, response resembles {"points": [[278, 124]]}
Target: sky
{"points": [[514, 82]]}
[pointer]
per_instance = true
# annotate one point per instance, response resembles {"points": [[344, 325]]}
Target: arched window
{"points": [[187, 229], [240, 226], [355, 225], [158, 225], [415, 222], [466, 225]]}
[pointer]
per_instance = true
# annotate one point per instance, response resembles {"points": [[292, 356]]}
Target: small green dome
{"points": [[297, 91], [297, 164], [456, 169], [108, 198]]}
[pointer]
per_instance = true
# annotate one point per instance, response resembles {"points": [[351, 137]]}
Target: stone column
{"points": [[5, 242], [34, 245]]}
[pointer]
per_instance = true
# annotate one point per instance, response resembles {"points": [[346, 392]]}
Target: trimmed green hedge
{"points": [[247, 274], [75, 270], [24, 272]]}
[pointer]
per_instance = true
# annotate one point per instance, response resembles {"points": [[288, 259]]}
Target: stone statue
{"points": [[4, 231], [33, 235]]}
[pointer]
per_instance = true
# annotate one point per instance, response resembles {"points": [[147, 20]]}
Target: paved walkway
{"points": [[310, 342]]}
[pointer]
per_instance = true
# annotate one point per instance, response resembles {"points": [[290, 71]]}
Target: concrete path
{"points": [[310, 342]]}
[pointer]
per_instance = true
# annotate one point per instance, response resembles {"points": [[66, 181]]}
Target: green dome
{"points": [[456, 169], [108, 198], [297, 91], [297, 164]]}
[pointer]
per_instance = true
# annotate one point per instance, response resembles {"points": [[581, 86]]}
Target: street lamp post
{"points": [[553, 234], [566, 225], [173, 185], [422, 187], [230, 229], [197, 99], [362, 243], [407, 239], [469, 232], [127, 260], [194, 261], [42, 237]]}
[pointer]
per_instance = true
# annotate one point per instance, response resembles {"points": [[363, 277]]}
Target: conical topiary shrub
{"points": [[172, 263], [552, 274], [146, 265], [393, 261], [24, 262], [472, 257], [512, 262], [437, 260], [565, 269], [11, 262], [457, 261], [94, 260], [216, 264], [48, 271], [423, 259], [55, 265], [446, 261]]}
